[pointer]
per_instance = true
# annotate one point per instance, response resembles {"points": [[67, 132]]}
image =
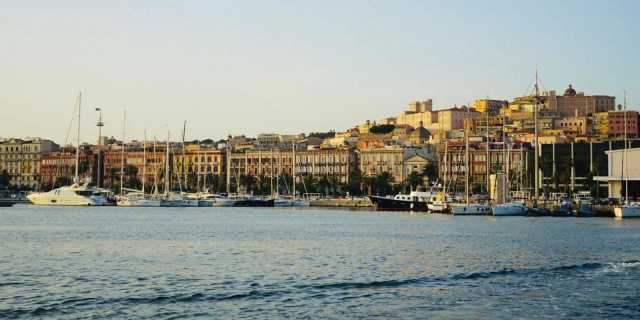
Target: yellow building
{"points": [[199, 163], [601, 124], [21, 159], [494, 106]]}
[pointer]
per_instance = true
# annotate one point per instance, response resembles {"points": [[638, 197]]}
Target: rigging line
{"points": [[73, 115]]}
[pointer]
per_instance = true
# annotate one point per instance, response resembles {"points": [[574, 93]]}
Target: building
{"points": [[615, 123], [58, 168], [20, 158], [277, 165], [494, 106], [574, 125], [198, 166], [623, 174], [397, 161], [452, 165], [570, 104]]}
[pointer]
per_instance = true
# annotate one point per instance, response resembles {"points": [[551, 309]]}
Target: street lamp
{"points": [[100, 124]]}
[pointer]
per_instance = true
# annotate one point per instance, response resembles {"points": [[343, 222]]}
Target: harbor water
{"points": [[171, 263]]}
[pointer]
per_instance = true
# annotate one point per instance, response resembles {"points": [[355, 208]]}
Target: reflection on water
{"points": [[74, 263]]}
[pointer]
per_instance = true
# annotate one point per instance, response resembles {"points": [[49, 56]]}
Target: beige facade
{"points": [[570, 104], [279, 163], [21, 159], [575, 125], [399, 162]]}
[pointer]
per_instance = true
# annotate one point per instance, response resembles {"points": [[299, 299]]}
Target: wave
{"points": [[453, 279]]}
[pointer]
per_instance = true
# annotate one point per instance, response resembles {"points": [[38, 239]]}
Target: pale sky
{"points": [[247, 67]]}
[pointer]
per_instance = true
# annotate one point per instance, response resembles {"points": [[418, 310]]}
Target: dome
{"points": [[570, 91]]}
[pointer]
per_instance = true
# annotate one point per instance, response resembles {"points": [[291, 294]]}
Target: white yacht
{"points": [[509, 209], [74, 195], [631, 210]]}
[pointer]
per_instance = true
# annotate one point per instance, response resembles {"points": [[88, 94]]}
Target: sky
{"points": [[249, 67]]}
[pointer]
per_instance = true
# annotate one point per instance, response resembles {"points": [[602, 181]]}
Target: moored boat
{"points": [[74, 195], [509, 209], [476, 209], [631, 210]]}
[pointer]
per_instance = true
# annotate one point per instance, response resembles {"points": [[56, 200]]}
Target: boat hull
{"points": [[64, 201], [254, 203], [384, 203], [508, 210], [471, 210], [627, 212]]}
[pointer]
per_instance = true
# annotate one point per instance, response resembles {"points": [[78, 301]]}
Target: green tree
{"points": [[382, 129], [383, 184], [4, 179], [430, 171], [414, 180], [355, 185]]}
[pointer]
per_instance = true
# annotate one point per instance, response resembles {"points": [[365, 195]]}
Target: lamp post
{"points": [[100, 124]]}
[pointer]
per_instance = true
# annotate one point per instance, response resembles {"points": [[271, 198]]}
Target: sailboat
{"points": [[507, 208], [467, 208], [138, 198], [294, 201], [75, 195], [168, 198], [626, 209]]}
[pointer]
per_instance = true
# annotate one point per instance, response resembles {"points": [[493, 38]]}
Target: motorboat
{"points": [[414, 201], [74, 195]]}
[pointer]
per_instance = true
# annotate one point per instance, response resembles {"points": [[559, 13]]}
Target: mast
{"points": [[536, 147], [624, 152], [184, 172], [228, 167], [155, 167], [166, 166], [124, 130], [446, 168], [488, 155], [198, 172], [144, 161], [293, 168], [466, 158], [76, 178], [505, 178]]}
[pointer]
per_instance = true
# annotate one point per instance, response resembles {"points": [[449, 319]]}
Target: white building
{"points": [[623, 166]]}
